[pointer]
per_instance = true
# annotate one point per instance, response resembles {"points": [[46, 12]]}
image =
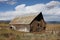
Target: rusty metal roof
{"points": [[23, 19]]}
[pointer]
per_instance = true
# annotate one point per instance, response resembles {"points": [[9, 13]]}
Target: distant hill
{"points": [[54, 22], [4, 21]]}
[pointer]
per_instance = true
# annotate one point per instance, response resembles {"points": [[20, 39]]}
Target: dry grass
{"points": [[3, 24], [7, 34], [55, 27]]}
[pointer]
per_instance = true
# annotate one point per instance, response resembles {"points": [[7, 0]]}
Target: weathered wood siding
{"points": [[37, 26], [22, 27]]}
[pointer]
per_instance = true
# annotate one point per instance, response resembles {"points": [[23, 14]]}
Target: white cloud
{"points": [[52, 8], [52, 4]]}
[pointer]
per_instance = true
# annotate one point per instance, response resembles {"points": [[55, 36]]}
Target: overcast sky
{"points": [[12, 8]]}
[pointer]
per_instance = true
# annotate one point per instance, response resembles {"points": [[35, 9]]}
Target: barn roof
{"points": [[23, 19]]}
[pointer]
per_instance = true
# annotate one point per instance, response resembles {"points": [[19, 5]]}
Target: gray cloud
{"points": [[11, 2]]}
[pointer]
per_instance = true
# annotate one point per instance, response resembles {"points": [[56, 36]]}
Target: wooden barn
{"points": [[31, 23]]}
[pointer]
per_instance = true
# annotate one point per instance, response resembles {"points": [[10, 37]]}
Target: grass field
{"points": [[7, 34], [54, 27]]}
